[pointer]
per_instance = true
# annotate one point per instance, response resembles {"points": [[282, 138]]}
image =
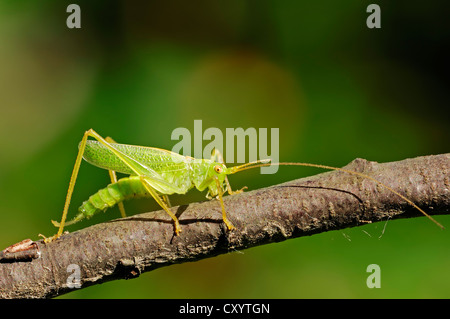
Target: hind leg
{"points": [[113, 177]]}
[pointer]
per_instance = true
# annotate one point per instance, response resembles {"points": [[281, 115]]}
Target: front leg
{"points": [[224, 213], [217, 157]]}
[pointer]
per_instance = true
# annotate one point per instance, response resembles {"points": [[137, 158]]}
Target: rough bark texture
{"points": [[126, 247]]}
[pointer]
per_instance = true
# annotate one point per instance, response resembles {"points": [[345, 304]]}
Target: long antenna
{"points": [[261, 163]]}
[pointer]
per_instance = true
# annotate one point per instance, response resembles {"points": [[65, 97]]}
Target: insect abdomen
{"points": [[125, 188]]}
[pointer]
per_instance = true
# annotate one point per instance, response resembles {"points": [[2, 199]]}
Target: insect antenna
{"points": [[243, 167], [263, 163]]}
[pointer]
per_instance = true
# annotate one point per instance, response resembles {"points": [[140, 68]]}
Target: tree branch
{"points": [[126, 247]]}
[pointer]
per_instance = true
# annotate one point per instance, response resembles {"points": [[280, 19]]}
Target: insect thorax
{"points": [[202, 174]]}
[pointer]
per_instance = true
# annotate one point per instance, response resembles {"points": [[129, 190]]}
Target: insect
{"points": [[158, 173]]}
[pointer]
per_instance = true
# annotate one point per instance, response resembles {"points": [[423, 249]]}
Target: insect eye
{"points": [[218, 169]]}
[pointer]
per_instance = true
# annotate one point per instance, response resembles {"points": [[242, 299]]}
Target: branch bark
{"points": [[124, 248]]}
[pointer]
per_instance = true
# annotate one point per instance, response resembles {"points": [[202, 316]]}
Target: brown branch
{"points": [[125, 248]]}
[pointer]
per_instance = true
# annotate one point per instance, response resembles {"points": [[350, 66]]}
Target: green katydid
{"points": [[157, 173]]}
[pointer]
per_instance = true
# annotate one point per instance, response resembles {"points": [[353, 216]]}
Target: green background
{"points": [[137, 70]]}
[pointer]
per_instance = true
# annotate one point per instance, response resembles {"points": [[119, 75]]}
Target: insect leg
{"points": [[138, 168], [224, 213], [217, 157], [166, 200], [73, 179], [113, 177], [147, 175], [161, 203]]}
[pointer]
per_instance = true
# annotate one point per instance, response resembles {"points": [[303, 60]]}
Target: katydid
{"points": [[157, 173]]}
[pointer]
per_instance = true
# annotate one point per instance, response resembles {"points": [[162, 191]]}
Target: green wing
{"points": [[166, 171]]}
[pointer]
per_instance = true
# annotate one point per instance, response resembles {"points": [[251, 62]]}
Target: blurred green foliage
{"points": [[137, 70]]}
